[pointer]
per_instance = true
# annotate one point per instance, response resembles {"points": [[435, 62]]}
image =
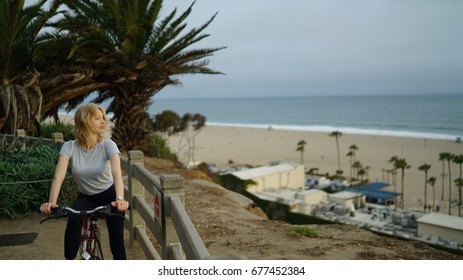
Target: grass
{"points": [[303, 230]]}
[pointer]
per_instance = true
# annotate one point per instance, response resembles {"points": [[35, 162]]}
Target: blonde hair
{"points": [[82, 121]]}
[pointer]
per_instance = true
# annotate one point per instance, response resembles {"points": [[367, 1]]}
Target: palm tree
{"points": [[401, 163], [351, 154], [20, 93], [361, 173], [130, 54], [432, 182], [447, 156], [458, 159], [442, 157], [393, 172], [357, 165], [301, 148], [336, 135], [425, 167], [459, 184], [449, 160]]}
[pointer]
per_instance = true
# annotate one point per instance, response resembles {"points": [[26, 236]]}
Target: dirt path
{"points": [[49, 243]]}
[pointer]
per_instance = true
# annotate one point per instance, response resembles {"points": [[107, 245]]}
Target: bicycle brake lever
{"points": [[55, 214]]}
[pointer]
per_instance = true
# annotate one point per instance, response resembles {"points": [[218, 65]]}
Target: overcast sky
{"points": [[327, 47]]}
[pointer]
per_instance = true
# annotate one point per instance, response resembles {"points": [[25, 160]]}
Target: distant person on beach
{"points": [[96, 167]]}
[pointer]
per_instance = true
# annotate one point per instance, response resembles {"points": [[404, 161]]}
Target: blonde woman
{"points": [[96, 167]]}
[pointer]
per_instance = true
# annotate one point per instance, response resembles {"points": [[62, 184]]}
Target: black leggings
{"points": [[114, 224]]}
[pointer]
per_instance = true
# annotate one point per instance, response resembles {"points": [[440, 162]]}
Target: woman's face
{"points": [[98, 123]]}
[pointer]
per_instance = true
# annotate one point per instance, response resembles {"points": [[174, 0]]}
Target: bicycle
{"points": [[90, 246]]}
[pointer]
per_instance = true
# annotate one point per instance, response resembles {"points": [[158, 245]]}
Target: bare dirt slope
{"points": [[229, 225]]}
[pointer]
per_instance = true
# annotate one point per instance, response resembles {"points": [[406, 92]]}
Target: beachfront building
{"points": [[276, 175], [440, 226], [375, 193], [350, 200]]}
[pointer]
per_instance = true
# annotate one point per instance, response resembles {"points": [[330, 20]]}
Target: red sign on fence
{"points": [[157, 211]]}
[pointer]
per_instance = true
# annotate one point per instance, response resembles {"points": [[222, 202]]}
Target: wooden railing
{"points": [[165, 218]]}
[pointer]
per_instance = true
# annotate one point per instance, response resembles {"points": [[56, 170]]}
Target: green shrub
{"points": [[303, 230], [158, 148], [65, 128], [26, 176]]}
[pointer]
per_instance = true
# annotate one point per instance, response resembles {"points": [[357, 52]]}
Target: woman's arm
{"points": [[120, 204], [60, 174]]}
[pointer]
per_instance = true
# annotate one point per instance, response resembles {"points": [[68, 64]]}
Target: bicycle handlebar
{"points": [[65, 211]]}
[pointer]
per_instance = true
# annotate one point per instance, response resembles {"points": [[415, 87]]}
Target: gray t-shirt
{"points": [[91, 169]]}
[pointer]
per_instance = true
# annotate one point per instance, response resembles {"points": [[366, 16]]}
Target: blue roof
{"points": [[373, 191], [376, 186]]}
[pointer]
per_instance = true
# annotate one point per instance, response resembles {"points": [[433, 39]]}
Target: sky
{"points": [[326, 47]]}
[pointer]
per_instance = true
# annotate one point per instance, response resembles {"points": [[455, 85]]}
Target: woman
{"points": [[96, 167]]}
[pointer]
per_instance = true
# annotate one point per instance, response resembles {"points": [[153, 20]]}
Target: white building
{"points": [[273, 176], [348, 199], [446, 227]]}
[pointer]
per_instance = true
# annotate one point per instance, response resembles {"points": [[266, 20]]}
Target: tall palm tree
{"points": [[337, 135], [425, 167], [401, 163], [357, 165], [301, 148], [458, 159], [432, 182], [442, 157], [131, 54], [20, 94], [351, 154], [447, 156], [449, 160], [459, 185]]}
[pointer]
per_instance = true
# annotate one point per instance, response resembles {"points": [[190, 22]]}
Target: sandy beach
{"points": [[221, 144]]}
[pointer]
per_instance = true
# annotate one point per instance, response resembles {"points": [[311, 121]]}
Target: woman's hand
{"points": [[120, 205], [45, 208]]}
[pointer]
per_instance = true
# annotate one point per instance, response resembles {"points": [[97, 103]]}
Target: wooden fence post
{"points": [[172, 185], [135, 189], [57, 137], [21, 133]]}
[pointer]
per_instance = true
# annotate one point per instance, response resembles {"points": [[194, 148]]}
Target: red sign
{"points": [[157, 207]]}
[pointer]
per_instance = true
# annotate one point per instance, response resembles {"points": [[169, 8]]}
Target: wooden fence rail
{"points": [[165, 218]]}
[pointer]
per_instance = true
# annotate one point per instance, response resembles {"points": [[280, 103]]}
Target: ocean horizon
{"points": [[411, 116]]}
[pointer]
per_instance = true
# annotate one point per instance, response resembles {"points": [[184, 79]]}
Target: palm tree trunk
{"points": [[443, 178], [402, 185], [450, 190], [339, 155], [130, 121], [425, 191]]}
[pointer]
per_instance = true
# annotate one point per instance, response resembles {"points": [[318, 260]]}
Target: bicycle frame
{"points": [[90, 248]]}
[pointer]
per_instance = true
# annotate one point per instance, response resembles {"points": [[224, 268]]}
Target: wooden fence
{"points": [[166, 218]]}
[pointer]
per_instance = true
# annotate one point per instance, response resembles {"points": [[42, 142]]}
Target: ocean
{"points": [[417, 116]]}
